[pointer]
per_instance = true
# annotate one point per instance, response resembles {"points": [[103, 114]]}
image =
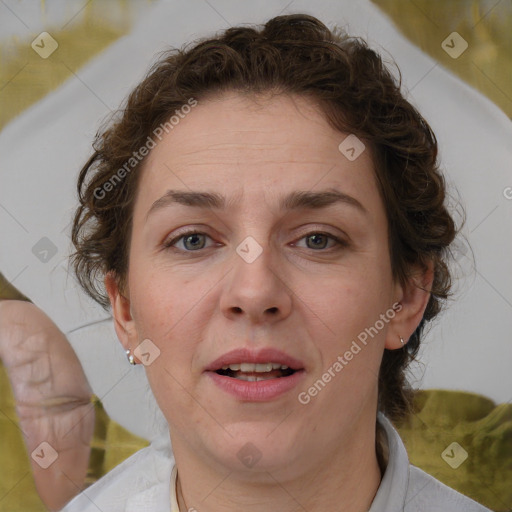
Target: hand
{"points": [[53, 398]]}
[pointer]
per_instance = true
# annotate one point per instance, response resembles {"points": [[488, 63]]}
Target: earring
{"points": [[129, 355], [401, 340]]}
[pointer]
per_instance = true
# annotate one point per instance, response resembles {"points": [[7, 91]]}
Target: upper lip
{"points": [[246, 355]]}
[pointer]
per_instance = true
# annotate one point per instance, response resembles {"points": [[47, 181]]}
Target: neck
{"points": [[346, 480]]}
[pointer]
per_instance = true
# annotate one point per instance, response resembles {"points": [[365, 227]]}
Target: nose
{"points": [[256, 290]]}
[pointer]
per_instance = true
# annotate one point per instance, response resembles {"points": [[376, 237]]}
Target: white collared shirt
{"points": [[146, 482]]}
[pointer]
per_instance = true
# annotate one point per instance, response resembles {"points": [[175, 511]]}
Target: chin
{"points": [[261, 447]]}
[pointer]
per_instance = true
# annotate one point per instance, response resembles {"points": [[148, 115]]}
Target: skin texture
{"points": [[307, 297], [52, 399]]}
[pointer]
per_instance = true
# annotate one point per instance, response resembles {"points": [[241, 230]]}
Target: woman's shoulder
{"points": [[425, 492], [140, 483]]}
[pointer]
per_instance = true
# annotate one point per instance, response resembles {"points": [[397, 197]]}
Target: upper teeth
{"points": [[251, 367]]}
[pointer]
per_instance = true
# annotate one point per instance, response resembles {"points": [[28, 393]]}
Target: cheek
{"points": [[353, 298], [171, 390], [349, 309], [158, 299], [165, 309], [354, 346]]}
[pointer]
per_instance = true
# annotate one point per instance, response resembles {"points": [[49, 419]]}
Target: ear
{"points": [[121, 311], [413, 298]]}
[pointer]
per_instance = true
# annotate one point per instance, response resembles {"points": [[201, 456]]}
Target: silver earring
{"points": [[129, 355], [401, 340]]}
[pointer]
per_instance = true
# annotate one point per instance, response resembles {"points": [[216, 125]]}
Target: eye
{"points": [[317, 240], [192, 241]]}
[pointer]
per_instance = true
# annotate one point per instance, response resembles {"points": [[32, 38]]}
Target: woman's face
{"points": [[256, 240]]}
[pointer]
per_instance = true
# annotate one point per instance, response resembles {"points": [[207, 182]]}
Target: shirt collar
{"points": [[155, 482], [393, 486]]}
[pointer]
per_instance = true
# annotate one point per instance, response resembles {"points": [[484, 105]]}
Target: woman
{"points": [[269, 221]]}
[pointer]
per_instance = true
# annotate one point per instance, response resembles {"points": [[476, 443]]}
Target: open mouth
{"points": [[255, 372], [256, 376]]}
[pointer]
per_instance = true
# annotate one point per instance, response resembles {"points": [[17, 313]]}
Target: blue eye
{"points": [[319, 240], [191, 240]]}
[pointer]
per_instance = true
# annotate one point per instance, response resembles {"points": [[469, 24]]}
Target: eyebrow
{"points": [[295, 200]]}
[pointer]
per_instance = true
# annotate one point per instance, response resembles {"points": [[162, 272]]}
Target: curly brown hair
{"points": [[292, 54]]}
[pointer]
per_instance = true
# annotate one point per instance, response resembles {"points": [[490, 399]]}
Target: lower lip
{"points": [[258, 391]]}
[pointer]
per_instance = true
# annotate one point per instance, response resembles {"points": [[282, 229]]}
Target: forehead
{"points": [[255, 146], [283, 127]]}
